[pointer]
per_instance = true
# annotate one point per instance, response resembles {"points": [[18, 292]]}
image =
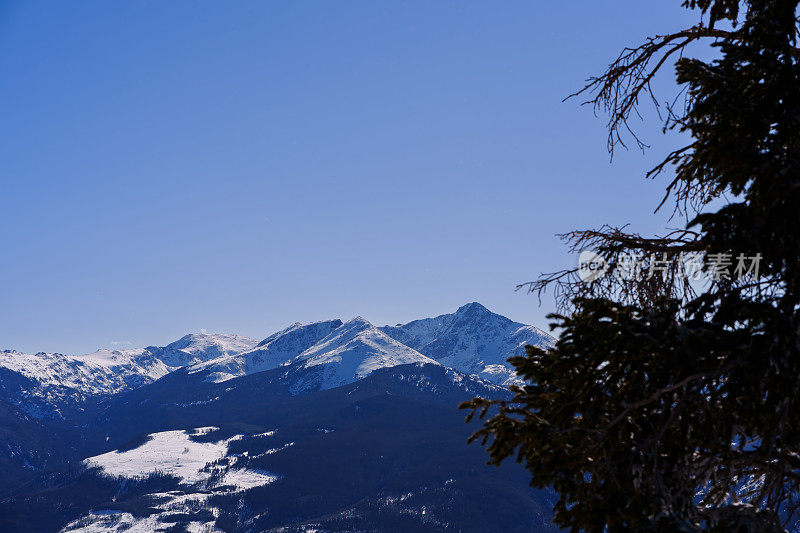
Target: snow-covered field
{"points": [[170, 452], [118, 521], [173, 453]]}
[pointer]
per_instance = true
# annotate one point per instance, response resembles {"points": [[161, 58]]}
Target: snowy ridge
{"points": [[259, 457], [318, 355], [473, 340], [42, 384], [274, 351], [351, 352], [200, 347]]}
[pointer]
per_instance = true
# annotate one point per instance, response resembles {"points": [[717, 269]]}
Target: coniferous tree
{"points": [[667, 405]]}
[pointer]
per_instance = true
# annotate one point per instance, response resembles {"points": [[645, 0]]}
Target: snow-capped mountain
{"points": [[317, 356], [221, 433], [473, 340], [200, 347], [351, 352], [44, 384], [274, 351]]}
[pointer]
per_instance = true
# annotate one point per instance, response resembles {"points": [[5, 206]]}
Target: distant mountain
{"points": [[317, 356], [44, 385], [473, 340], [200, 347], [272, 352], [349, 353], [328, 426]]}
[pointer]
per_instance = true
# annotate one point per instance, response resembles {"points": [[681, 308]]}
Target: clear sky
{"points": [[168, 167]]}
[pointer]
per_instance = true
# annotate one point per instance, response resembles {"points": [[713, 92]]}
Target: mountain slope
{"points": [[272, 352], [384, 453], [49, 385], [349, 353], [316, 356], [473, 340], [326, 426], [199, 347]]}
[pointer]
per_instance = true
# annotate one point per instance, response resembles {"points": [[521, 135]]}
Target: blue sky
{"points": [[177, 166]]}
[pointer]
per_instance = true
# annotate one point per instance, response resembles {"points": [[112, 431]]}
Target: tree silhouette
{"points": [[667, 404]]}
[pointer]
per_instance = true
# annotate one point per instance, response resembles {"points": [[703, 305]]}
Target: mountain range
{"points": [[329, 426]]}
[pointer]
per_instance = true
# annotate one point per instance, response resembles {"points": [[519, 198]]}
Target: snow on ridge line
{"points": [[60, 380], [58, 375], [356, 348], [351, 352], [297, 326], [212, 343], [277, 350], [473, 340]]}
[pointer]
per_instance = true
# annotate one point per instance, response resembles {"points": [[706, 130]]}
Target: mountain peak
{"points": [[351, 352], [358, 322], [211, 344], [274, 351], [297, 328], [473, 340], [473, 308]]}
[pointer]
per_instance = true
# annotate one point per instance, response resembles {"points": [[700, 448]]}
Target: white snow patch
{"points": [[168, 452], [244, 479], [203, 430]]}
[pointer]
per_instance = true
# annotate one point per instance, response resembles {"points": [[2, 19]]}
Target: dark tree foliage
{"points": [[664, 407]]}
